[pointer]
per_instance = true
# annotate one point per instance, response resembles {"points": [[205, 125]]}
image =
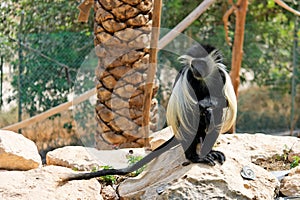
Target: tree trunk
{"points": [[237, 50], [122, 34]]}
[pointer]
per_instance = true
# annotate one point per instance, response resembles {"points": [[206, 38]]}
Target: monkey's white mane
{"points": [[182, 102]]}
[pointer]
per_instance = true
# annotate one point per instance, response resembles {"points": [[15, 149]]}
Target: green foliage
{"points": [[109, 179], [45, 83], [268, 36], [134, 159], [296, 161], [287, 152], [50, 28]]}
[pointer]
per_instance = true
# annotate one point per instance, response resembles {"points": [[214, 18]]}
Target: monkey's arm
{"points": [[157, 152]]}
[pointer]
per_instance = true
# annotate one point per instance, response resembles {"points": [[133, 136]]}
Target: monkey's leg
{"points": [[191, 151]]}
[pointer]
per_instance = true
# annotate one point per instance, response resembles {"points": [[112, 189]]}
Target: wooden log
{"points": [[50, 112]]}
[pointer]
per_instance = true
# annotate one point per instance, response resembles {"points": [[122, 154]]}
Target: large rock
{"points": [[42, 183], [17, 152], [254, 147], [290, 185], [168, 179], [85, 158]]}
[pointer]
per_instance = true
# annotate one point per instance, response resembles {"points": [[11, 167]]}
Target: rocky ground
{"points": [[24, 177]]}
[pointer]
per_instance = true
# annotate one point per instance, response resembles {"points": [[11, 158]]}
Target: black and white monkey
{"points": [[202, 105]]}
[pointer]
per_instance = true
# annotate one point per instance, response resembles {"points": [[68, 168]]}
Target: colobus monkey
{"points": [[202, 105]]}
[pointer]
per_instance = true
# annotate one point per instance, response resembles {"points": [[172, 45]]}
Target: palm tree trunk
{"points": [[122, 34]]}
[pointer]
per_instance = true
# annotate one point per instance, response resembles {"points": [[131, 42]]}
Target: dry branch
{"points": [[225, 20]]}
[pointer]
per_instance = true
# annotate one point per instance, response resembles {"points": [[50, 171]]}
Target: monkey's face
{"points": [[200, 68]]}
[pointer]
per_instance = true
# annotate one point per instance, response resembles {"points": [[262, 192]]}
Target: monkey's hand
{"points": [[210, 158]]}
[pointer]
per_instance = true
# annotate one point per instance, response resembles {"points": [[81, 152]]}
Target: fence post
{"points": [[20, 70], [294, 76]]}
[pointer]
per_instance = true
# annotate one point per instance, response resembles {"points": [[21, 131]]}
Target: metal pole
{"points": [[20, 70], [294, 83]]}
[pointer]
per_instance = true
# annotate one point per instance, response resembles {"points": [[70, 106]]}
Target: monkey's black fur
{"points": [[206, 115]]}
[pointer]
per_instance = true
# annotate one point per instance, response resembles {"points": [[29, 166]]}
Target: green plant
{"points": [[134, 159], [284, 156], [295, 163], [110, 179]]}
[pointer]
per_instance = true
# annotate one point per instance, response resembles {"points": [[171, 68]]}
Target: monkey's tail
{"points": [[157, 152]]}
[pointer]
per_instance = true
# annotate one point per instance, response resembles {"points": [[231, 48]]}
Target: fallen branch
{"points": [[50, 112]]}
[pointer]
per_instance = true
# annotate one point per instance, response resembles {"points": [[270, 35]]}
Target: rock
{"points": [[42, 183], [108, 193], [86, 158], [166, 178], [74, 157], [254, 147], [290, 185], [160, 137], [17, 152]]}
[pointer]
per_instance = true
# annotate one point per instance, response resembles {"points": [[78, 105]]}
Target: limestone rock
{"points": [[166, 178], [257, 146], [108, 193], [86, 158], [42, 183], [160, 137], [74, 157], [290, 185], [17, 152]]}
